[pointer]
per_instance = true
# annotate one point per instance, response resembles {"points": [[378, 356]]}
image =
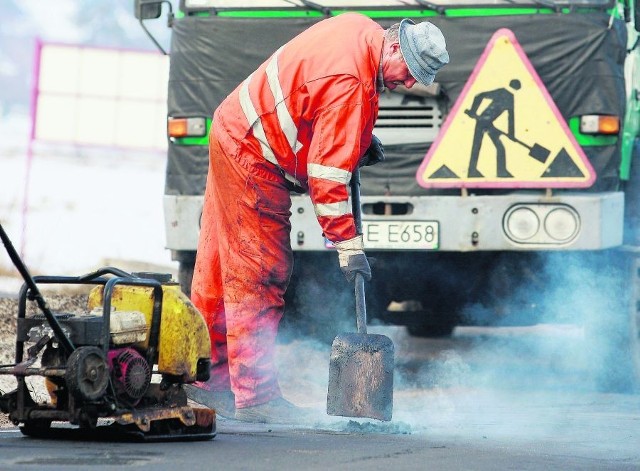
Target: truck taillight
{"points": [[599, 124], [186, 127]]}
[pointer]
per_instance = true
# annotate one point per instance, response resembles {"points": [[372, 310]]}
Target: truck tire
{"points": [[633, 320], [619, 335], [632, 200], [438, 321], [444, 329], [186, 262], [185, 276], [620, 368], [611, 320]]}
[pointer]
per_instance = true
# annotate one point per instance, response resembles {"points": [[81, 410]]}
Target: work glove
{"points": [[352, 259], [374, 154]]}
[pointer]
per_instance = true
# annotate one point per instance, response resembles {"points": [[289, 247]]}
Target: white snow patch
{"points": [[85, 207]]}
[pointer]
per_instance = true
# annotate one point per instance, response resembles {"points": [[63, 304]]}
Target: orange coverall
{"points": [[304, 117]]}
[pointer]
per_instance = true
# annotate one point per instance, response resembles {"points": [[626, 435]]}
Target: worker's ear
{"points": [[391, 49]]}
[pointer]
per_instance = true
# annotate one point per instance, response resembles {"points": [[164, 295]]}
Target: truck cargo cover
{"points": [[579, 57]]}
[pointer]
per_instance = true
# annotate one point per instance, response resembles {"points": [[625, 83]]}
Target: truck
{"points": [[510, 190]]}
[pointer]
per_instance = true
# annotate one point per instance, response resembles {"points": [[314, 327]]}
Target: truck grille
{"points": [[407, 119]]}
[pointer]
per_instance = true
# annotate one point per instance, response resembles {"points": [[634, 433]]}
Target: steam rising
{"points": [[563, 334]]}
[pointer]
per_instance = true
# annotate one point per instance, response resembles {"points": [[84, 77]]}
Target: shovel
{"points": [[361, 364]]}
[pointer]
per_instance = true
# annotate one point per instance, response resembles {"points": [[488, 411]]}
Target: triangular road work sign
{"points": [[505, 131]]}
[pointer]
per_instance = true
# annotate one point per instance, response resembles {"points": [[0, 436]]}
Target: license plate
{"points": [[400, 234]]}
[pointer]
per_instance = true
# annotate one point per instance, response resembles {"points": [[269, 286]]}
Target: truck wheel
{"points": [[185, 276], [613, 336], [436, 316], [633, 310], [434, 323], [632, 200], [431, 330], [623, 353]]}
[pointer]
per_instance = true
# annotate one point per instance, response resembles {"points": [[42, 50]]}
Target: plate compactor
{"points": [[115, 371]]}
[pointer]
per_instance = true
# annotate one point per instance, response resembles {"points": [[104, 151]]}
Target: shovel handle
{"points": [[361, 306], [356, 209]]}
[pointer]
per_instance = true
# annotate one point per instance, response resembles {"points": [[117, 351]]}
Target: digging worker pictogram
{"points": [[501, 101], [302, 121]]}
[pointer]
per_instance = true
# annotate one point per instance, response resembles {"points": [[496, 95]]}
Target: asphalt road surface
{"points": [[487, 399]]}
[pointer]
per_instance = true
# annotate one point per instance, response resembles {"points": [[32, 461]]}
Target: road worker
{"points": [[302, 121]]}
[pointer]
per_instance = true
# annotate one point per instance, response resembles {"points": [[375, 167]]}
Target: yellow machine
{"points": [[125, 361], [184, 346]]}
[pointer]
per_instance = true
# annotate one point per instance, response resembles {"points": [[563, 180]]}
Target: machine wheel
{"points": [[87, 374]]}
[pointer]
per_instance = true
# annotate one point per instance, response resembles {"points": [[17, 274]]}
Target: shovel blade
{"points": [[361, 376]]}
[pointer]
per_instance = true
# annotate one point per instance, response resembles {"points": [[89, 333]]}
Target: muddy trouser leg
{"points": [[206, 290], [250, 205]]}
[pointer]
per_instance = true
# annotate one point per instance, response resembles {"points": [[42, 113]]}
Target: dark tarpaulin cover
{"points": [[578, 56]]}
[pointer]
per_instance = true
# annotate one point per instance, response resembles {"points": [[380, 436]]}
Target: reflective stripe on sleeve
{"points": [[332, 209], [333, 174], [284, 117]]}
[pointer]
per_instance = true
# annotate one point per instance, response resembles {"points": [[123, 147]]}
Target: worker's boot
{"points": [[223, 402], [276, 411]]}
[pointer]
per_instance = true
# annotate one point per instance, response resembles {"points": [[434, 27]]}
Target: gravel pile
{"points": [[71, 303]]}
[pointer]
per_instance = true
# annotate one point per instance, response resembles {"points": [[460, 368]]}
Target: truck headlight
{"points": [[541, 224], [561, 224], [523, 223]]}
